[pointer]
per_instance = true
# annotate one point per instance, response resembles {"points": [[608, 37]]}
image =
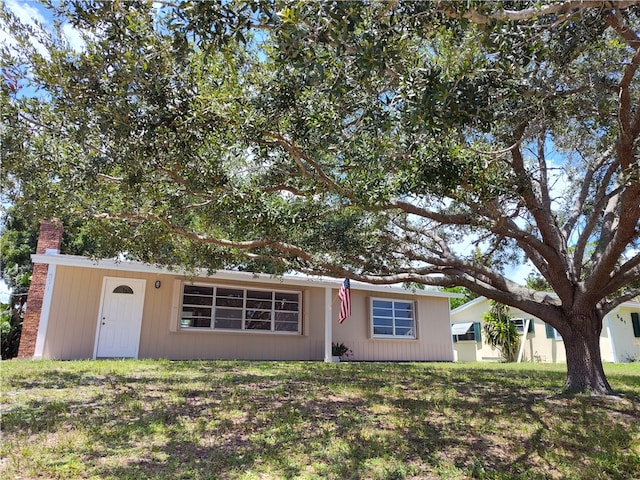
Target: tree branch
{"points": [[584, 191], [600, 199], [565, 8], [627, 126], [298, 156], [613, 19], [621, 227], [612, 304]]}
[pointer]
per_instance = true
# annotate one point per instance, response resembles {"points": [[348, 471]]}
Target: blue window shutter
{"points": [[476, 331], [635, 321], [549, 331], [455, 338], [531, 328]]}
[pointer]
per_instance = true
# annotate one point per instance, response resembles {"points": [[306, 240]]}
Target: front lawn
{"points": [[246, 420]]}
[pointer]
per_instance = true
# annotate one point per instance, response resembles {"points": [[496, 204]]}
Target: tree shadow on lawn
{"points": [[432, 421], [348, 421], [55, 379]]}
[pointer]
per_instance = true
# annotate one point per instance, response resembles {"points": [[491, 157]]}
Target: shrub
{"points": [[501, 332]]}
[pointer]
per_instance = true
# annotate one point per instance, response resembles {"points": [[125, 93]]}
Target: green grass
{"points": [[264, 420]]}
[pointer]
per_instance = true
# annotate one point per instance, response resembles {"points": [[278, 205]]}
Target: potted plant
{"points": [[340, 350]]}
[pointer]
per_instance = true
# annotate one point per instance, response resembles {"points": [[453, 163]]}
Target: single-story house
{"points": [[619, 339], [83, 308]]}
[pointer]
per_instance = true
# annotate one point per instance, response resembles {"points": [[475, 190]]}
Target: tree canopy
{"points": [[428, 142]]}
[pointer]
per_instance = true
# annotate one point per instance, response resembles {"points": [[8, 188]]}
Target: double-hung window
{"points": [[393, 318], [229, 308]]}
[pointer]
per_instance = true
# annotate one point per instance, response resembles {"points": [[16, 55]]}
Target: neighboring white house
{"points": [[619, 339]]}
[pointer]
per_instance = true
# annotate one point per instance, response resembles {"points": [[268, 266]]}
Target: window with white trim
{"points": [[392, 318], [468, 336], [239, 309], [467, 332], [635, 324], [126, 289], [520, 324], [552, 333]]}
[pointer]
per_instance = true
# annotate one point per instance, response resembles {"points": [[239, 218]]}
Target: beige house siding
{"points": [[433, 340], [76, 302], [74, 314]]}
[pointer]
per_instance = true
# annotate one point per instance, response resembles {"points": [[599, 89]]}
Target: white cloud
{"points": [[73, 36], [31, 15], [26, 12]]}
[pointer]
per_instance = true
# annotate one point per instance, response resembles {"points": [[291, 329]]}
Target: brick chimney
{"points": [[49, 241]]}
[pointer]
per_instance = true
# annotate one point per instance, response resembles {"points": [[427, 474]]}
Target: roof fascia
{"points": [[469, 304], [294, 280]]}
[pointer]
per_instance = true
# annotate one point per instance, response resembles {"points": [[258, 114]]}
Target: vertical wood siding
{"points": [[76, 302], [433, 329]]}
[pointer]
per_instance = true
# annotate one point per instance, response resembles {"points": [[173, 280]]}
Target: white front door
{"points": [[120, 318]]}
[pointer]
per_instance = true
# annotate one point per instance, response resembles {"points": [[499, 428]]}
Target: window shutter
{"points": [[549, 331], [531, 329], [635, 320], [455, 338], [476, 331]]}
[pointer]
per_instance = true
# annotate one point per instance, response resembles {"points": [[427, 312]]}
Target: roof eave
{"points": [[293, 280]]}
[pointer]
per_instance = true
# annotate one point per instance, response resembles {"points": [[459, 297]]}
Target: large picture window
{"points": [[393, 318], [227, 308]]}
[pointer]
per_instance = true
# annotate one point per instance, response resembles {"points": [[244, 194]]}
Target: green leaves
{"points": [[501, 332]]}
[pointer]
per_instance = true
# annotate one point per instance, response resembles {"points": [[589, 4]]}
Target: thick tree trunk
{"points": [[584, 361]]}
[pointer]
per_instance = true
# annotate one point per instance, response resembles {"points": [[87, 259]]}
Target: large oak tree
{"points": [[428, 142]]}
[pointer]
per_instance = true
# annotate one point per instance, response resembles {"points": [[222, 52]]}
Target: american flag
{"points": [[345, 301]]}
